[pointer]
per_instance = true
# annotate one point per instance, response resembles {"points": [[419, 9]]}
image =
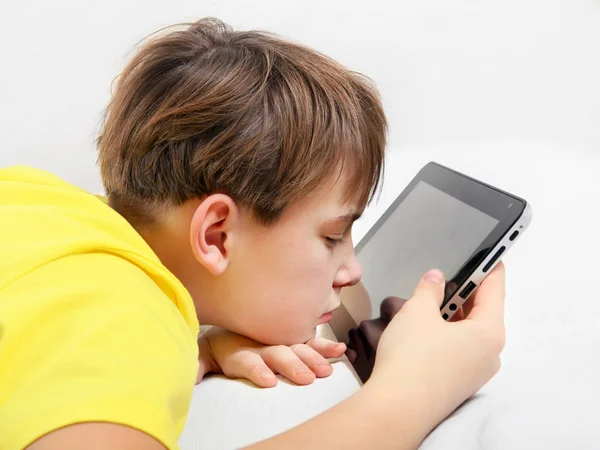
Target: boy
{"points": [[234, 164]]}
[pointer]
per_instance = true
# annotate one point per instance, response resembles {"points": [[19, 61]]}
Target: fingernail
{"points": [[324, 363], [434, 276]]}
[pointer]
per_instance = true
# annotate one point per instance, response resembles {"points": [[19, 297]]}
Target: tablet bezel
{"points": [[502, 206]]}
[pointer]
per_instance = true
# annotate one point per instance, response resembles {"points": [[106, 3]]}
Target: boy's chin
{"points": [[287, 339], [310, 335]]}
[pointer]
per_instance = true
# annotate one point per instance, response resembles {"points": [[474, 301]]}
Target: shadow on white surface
{"points": [[228, 414]]}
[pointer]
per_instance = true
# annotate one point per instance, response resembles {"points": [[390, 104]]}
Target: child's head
{"points": [[233, 153]]}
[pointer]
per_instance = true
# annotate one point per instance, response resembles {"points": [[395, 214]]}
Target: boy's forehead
{"points": [[334, 198]]}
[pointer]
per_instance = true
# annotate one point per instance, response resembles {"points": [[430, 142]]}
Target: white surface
{"points": [[547, 395], [472, 84], [450, 71], [228, 414]]}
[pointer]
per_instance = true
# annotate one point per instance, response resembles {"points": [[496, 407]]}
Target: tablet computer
{"points": [[444, 220]]}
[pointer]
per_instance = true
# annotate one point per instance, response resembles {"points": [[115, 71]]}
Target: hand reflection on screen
{"points": [[363, 340]]}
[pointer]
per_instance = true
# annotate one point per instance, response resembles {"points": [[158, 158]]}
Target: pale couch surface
{"points": [[547, 394]]}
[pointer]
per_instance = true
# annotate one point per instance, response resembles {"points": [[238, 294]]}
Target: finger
{"points": [[430, 290], [327, 348], [283, 360], [458, 315], [313, 360], [488, 303], [249, 365]]}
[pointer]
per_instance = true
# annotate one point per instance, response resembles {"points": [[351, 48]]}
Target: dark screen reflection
{"points": [[363, 340], [428, 229]]}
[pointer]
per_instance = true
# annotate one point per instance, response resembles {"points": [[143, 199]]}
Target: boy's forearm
{"points": [[371, 418]]}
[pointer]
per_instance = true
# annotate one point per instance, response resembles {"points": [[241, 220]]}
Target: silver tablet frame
{"points": [[456, 301]]}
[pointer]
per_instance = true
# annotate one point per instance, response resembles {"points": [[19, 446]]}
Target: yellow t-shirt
{"points": [[93, 328]]}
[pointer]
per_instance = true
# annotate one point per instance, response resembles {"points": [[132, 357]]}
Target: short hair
{"points": [[201, 109]]}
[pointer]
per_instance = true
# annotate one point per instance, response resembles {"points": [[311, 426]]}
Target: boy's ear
{"points": [[211, 231]]}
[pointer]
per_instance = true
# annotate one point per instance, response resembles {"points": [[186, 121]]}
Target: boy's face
{"points": [[283, 280]]}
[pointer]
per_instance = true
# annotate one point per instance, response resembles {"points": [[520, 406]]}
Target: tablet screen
{"points": [[443, 220], [429, 229]]}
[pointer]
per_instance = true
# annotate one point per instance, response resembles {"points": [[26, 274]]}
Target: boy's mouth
{"points": [[325, 318]]}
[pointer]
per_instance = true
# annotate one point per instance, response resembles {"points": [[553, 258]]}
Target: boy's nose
{"points": [[355, 271], [349, 274]]}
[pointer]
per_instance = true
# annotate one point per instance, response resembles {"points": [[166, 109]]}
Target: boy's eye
{"points": [[334, 240]]}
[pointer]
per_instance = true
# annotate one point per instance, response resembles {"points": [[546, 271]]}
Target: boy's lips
{"points": [[326, 318]]}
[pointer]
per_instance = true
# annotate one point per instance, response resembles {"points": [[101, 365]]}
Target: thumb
{"points": [[431, 289]]}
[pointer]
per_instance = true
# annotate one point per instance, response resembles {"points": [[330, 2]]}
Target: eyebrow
{"points": [[345, 219]]}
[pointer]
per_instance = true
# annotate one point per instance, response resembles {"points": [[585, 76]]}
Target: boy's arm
{"points": [[425, 368], [369, 419], [372, 418], [236, 356], [96, 436]]}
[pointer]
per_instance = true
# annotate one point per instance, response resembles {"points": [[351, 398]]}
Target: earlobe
{"points": [[211, 232]]}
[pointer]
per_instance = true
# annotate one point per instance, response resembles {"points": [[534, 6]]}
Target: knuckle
{"points": [[273, 351], [237, 366], [498, 365], [311, 342], [300, 348], [501, 341], [236, 361], [495, 341], [498, 341], [256, 369]]}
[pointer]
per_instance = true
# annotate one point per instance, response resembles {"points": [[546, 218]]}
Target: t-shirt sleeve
{"points": [[92, 338]]}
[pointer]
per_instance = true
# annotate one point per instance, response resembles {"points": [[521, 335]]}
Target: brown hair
{"points": [[204, 109]]}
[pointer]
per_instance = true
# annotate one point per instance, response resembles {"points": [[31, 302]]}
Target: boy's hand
{"points": [[442, 363], [425, 367], [236, 356]]}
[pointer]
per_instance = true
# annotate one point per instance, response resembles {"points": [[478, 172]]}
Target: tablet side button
{"points": [[494, 259], [514, 235], [467, 290]]}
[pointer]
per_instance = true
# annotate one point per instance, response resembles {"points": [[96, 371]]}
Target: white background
{"points": [[507, 91], [450, 71]]}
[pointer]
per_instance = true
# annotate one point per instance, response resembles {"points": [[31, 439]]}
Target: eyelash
{"points": [[333, 242]]}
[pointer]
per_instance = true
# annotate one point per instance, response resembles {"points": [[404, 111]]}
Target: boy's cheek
{"points": [[272, 322]]}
